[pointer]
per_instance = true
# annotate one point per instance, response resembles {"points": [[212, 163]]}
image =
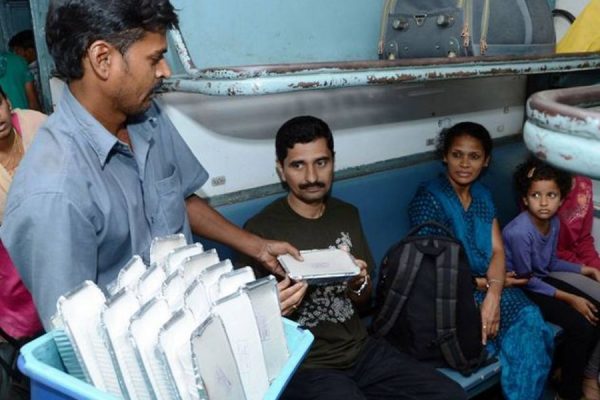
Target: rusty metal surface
{"points": [[563, 128], [265, 79], [569, 110]]}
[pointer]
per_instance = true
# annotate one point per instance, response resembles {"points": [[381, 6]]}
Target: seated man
{"points": [[344, 362]]}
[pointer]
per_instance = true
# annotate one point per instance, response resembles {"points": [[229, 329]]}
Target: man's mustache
{"points": [[316, 184], [158, 88]]}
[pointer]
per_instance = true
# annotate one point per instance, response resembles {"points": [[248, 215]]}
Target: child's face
{"points": [[543, 199]]}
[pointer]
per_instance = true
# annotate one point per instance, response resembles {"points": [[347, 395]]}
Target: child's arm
{"points": [[519, 246], [582, 305], [556, 264]]}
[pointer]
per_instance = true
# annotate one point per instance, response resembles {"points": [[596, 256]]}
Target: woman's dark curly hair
{"points": [[536, 170], [472, 129]]}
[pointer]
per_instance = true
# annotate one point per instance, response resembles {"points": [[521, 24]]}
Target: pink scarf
{"points": [[18, 316]]}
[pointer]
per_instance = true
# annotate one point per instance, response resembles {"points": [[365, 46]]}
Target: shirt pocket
{"points": [[171, 204]]}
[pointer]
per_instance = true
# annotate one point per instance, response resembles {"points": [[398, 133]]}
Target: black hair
{"points": [[2, 94], [23, 39], [303, 129], [534, 170], [73, 25], [472, 129]]}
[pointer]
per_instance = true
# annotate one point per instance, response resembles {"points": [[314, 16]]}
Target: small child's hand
{"points": [[511, 280], [590, 272], [585, 308]]}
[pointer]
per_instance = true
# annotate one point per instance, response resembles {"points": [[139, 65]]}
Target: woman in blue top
{"points": [[511, 324], [530, 244]]}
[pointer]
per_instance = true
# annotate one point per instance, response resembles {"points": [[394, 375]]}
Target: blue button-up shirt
{"points": [[82, 203]]}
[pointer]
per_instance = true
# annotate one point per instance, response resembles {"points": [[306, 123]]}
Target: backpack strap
{"points": [[446, 288], [399, 288], [430, 224]]}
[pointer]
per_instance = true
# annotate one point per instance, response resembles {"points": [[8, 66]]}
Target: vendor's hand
{"points": [[585, 308], [511, 280], [269, 251], [359, 279], [290, 295], [490, 316], [591, 272]]}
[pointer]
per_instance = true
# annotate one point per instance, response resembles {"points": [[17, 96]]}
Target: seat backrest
{"points": [[383, 198]]}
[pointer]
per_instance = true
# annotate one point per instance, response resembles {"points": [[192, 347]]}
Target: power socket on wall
{"points": [[218, 180]]}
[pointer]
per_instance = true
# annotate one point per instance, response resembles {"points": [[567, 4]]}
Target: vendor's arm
{"points": [[53, 245], [206, 221]]}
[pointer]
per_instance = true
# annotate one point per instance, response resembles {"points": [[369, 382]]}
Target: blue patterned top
{"points": [[436, 200]]}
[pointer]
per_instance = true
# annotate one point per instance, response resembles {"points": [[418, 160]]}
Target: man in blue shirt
{"points": [[108, 172]]}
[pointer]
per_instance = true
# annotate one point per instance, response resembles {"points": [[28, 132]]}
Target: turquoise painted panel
{"points": [[231, 33]]}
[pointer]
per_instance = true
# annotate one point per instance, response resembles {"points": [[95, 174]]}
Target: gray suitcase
{"points": [[451, 28]]}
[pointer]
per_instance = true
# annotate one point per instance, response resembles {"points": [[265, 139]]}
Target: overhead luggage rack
{"points": [[283, 78]]}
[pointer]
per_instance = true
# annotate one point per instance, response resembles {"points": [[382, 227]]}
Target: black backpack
{"points": [[425, 305]]}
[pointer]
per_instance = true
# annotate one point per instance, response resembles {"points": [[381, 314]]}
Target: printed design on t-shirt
{"points": [[328, 302], [344, 242], [583, 202]]}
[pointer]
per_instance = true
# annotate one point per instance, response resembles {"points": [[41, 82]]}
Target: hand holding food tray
{"points": [[320, 266]]}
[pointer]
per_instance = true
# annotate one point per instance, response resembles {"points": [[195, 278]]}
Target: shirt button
{"points": [[152, 220]]}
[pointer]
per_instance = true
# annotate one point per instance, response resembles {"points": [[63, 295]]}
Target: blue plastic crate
{"points": [[40, 361]]}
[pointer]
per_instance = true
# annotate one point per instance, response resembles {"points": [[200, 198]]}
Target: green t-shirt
{"points": [[14, 74], [326, 310]]}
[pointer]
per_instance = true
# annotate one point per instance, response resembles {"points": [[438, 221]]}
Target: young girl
{"points": [[530, 246]]}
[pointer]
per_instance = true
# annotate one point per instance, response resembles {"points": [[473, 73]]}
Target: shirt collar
{"points": [[100, 139]]}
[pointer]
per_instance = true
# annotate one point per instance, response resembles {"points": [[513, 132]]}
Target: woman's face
{"points": [[5, 122], [465, 159]]}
